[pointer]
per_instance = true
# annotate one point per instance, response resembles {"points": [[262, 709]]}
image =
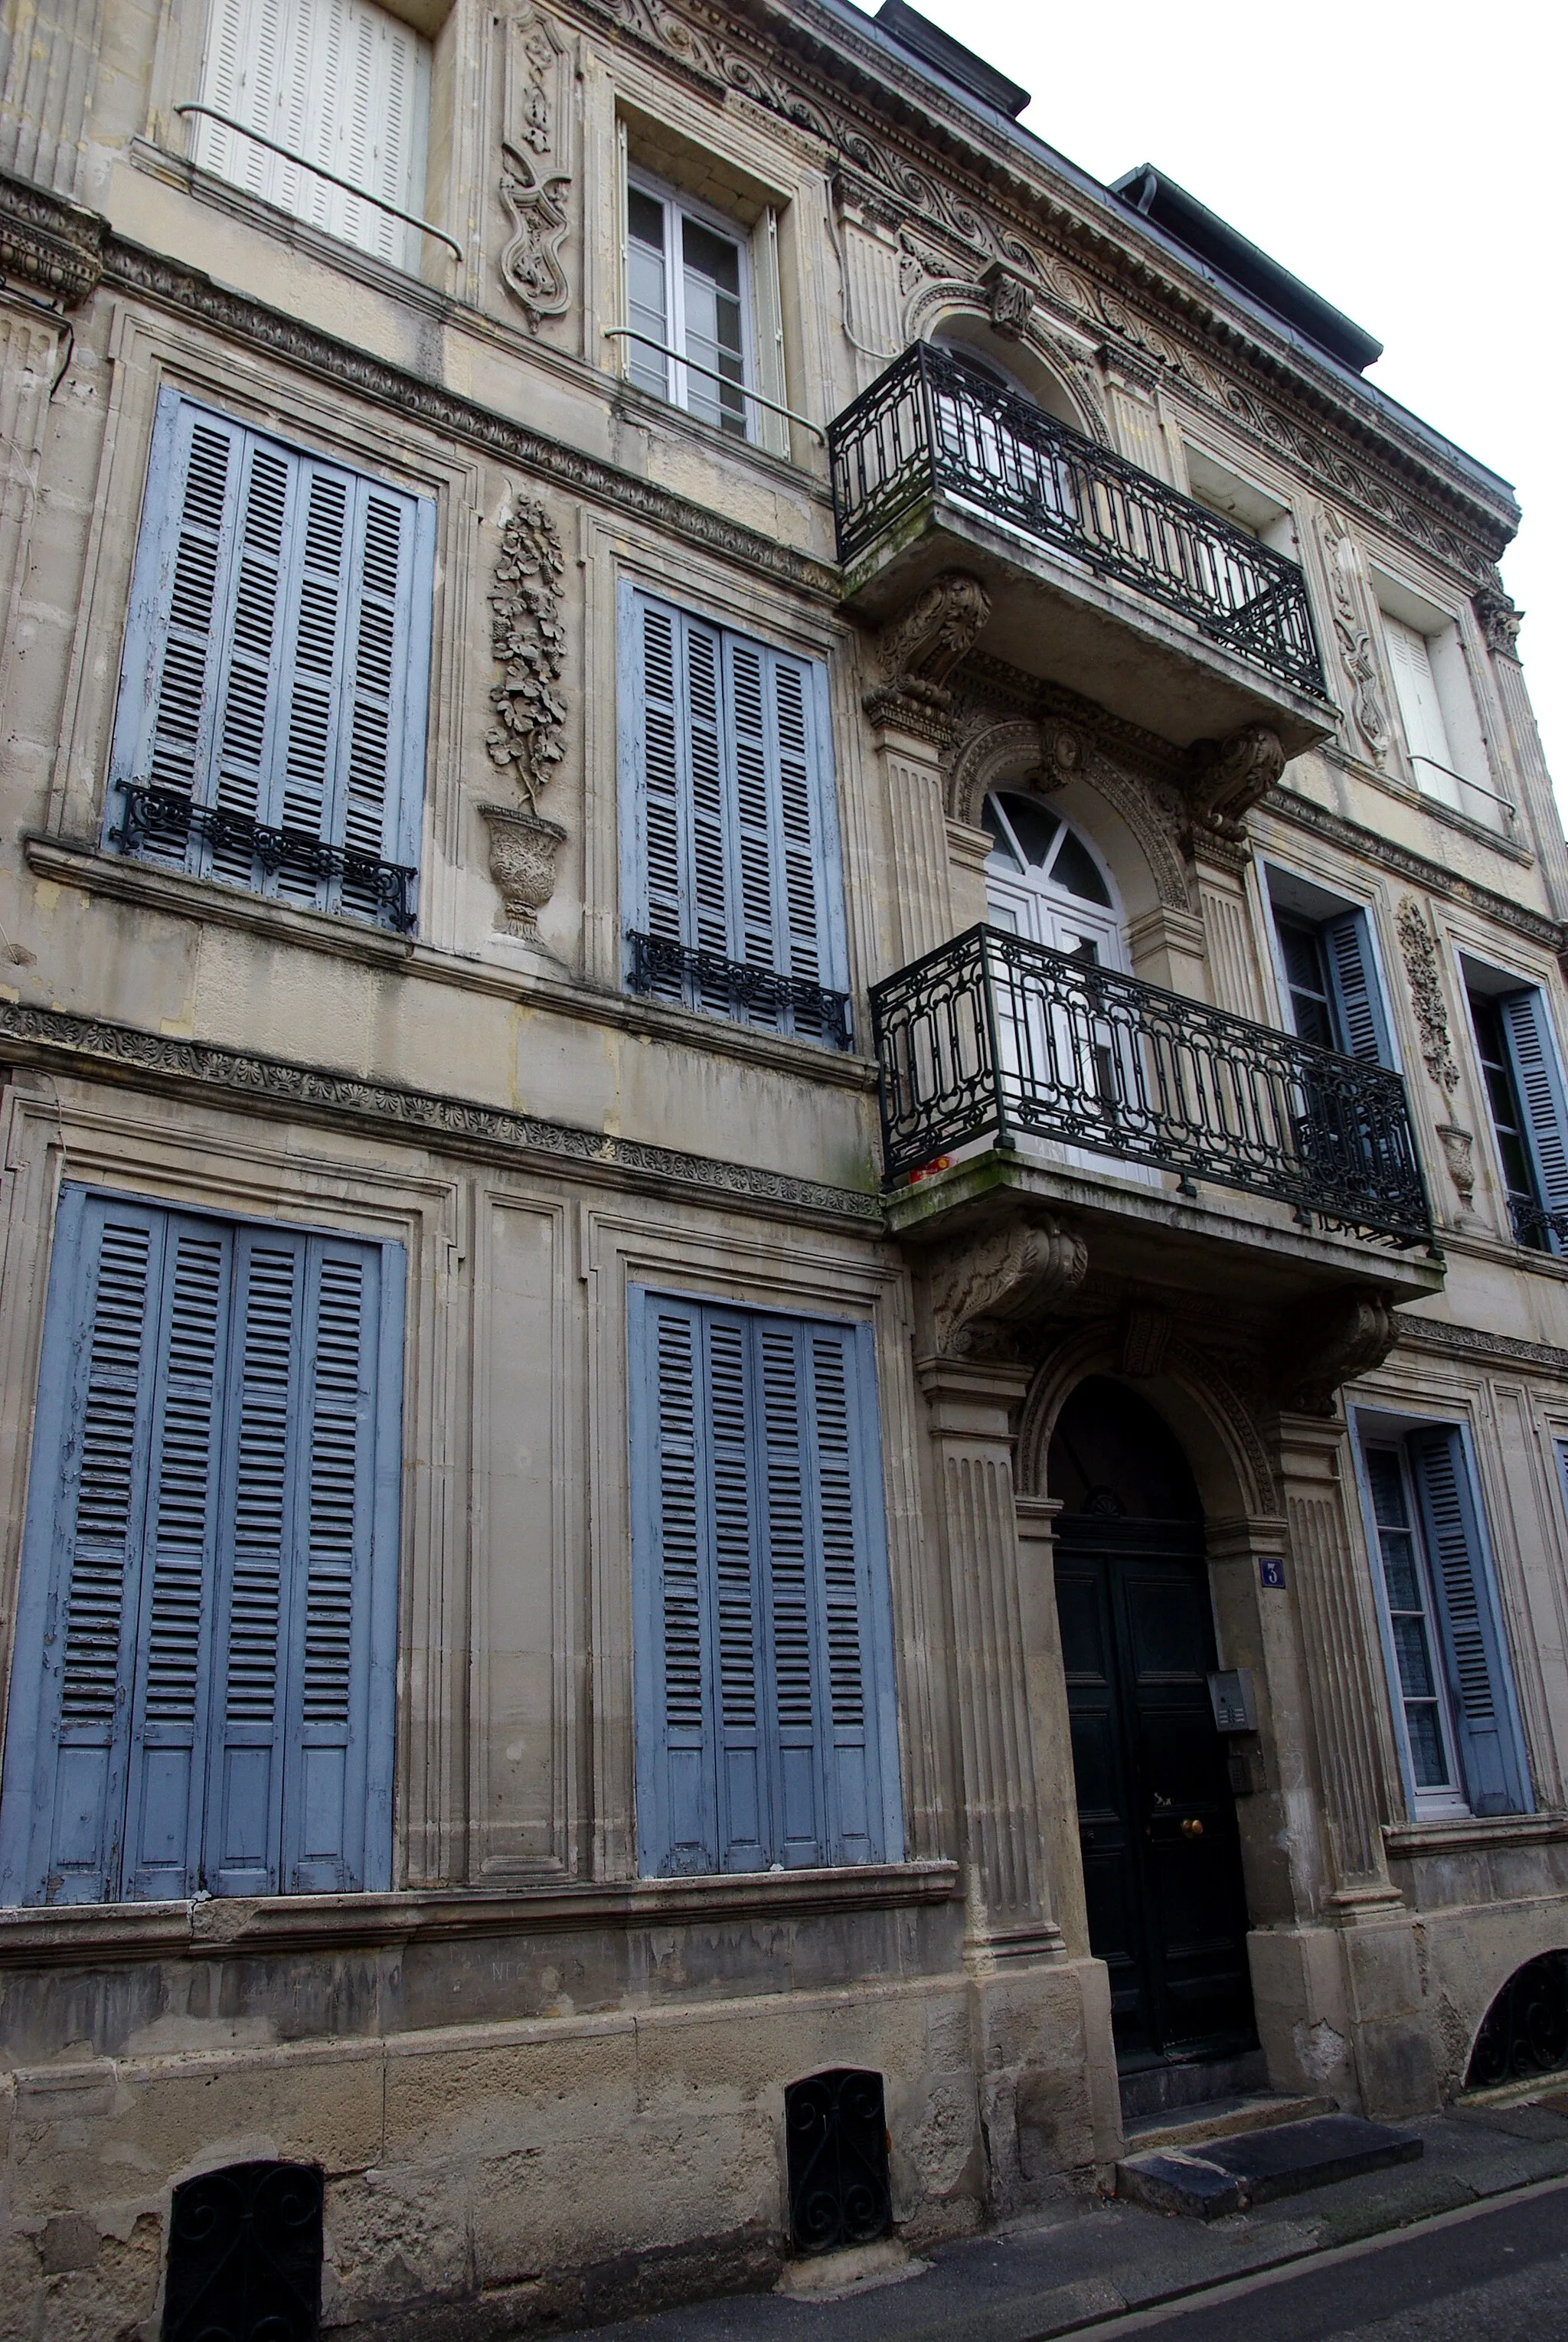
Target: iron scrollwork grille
{"points": [[995, 1036], [835, 2124], [160, 825], [1538, 1225], [1525, 2031], [663, 969], [931, 424], [244, 2256]]}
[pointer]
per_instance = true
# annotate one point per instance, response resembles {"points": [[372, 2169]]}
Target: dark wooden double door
{"points": [[1156, 1815]]}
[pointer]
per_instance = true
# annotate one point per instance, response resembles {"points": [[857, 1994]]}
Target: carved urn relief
{"points": [[526, 637]]}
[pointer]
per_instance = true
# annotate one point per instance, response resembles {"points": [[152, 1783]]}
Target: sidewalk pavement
{"points": [[1077, 2264]]}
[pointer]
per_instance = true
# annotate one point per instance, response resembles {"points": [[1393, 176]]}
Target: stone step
{"points": [[1165, 2085], [1222, 2118], [1229, 2175]]}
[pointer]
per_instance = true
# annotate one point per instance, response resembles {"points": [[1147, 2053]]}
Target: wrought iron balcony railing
{"points": [[993, 1035], [930, 423], [162, 825], [663, 969], [1542, 1227]]}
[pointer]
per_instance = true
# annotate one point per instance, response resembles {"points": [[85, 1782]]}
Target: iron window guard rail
{"points": [[349, 186], [1542, 1227], [158, 825], [931, 424], [995, 1036], [664, 969]]}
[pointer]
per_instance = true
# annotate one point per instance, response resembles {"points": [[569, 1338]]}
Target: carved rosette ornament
{"points": [[979, 1291], [1229, 778], [918, 651], [537, 136], [527, 638], [1343, 1335], [1419, 953]]}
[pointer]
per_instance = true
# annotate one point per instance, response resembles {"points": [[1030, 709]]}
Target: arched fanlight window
{"points": [[1032, 842]]}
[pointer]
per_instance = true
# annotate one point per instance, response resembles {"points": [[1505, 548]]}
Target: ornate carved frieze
{"points": [[1110, 285], [47, 242], [91, 1045], [1339, 1337], [1355, 637], [1419, 953], [979, 1290], [535, 163], [919, 649], [1231, 777], [1145, 1337], [1387, 854], [1417, 1332], [448, 416]]}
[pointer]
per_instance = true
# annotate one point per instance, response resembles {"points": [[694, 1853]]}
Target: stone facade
{"points": [[539, 2085]]}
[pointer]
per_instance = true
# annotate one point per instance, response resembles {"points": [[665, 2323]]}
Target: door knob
{"points": [[1192, 1828]]}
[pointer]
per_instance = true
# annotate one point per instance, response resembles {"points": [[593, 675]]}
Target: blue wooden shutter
{"points": [[764, 1676], [295, 1662], [278, 657], [1347, 949], [206, 1641], [1539, 1081], [1496, 1778], [733, 846]]}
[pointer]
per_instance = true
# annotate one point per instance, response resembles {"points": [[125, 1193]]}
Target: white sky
{"points": [[1406, 162]]}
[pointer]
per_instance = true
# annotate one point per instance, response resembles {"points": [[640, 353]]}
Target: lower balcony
{"points": [[1008, 1066]]}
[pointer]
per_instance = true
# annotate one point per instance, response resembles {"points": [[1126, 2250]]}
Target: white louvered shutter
{"points": [[207, 1633], [275, 663], [1539, 1081], [337, 83], [1415, 688], [759, 1583], [1495, 1773], [1348, 952]]}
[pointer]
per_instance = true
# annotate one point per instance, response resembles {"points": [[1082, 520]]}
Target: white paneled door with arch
{"points": [[1046, 883]]}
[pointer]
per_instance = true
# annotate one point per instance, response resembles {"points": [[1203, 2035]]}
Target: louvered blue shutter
{"points": [[764, 1670], [276, 660], [1539, 1081], [1495, 1775], [676, 1778], [301, 1669], [206, 1640], [731, 836], [1347, 948]]}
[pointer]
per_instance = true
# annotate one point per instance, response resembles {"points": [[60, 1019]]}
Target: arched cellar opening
{"points": [[1162, 1881]]}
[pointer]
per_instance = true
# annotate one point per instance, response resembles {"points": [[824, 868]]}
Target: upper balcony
{"points": [[1101, 578], [1120, 1099]]}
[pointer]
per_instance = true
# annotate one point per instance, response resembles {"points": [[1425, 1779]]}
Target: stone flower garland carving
{"points": [[527, 639]]}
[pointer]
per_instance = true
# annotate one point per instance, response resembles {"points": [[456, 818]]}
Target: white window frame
{"points": [[1463, 779], [678, 205]]}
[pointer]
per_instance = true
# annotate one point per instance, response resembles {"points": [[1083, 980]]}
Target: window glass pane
{"points": [[1301, 947], [1033, 828], [1501, 1097], [647, 292], [1414, 1658], [713, 334], [1075, 869], [991, 821], [1409, 1626], [1426, 1758]]}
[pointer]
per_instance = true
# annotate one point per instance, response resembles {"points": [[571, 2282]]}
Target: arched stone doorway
{"points": [[1157, 1826]]}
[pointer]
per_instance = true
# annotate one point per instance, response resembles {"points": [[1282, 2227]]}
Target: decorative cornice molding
{"points": [[883, 122], [89, 1045], [1368, 845], [46, 242], [1476, 1342], [132, 269]]}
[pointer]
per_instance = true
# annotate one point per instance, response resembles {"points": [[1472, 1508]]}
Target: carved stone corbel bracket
{"points": [[1010, 298], [1229, 778], [980, 1290], [918, 650], [1343, 1335], [1498, 621]]}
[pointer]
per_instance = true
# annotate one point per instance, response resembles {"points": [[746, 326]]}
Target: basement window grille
{"points": [[244, 2256], [1525, 2031], [836, 2126]]}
